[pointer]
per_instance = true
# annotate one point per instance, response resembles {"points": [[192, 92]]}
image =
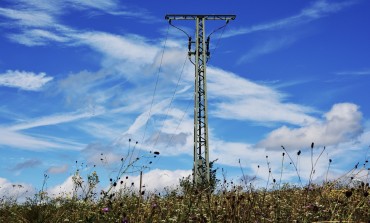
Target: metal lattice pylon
{"points": [[201, 169]]}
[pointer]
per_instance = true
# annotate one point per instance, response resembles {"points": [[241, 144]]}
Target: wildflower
{"points": [[105, 210]]}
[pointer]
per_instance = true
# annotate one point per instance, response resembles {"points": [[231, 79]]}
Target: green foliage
{"points": [[328, 202], [342, 200]]}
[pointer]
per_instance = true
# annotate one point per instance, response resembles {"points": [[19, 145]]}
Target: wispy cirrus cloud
{"points": [[317, 10], [26, 164], [266, 48], [54, 120], [37, 37], [24, 80], [19, 140], [28, 18], [241, 99], [364, 72]]}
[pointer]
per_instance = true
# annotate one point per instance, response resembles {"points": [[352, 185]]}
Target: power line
{"points": [[170, 105], [156, 84], [220, 37], [181, 120]]}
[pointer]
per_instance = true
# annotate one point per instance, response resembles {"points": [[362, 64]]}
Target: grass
{"points": [[331, 201]]}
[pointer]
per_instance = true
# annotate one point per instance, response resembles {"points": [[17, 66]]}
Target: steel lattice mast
{"points": [[201, 169]]}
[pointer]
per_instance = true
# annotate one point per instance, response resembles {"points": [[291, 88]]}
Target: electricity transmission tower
{"points": [[200, 55]]}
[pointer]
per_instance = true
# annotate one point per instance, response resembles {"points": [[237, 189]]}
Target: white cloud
{"points": [[158, 179], [37, 37], [55, 119], [24, 80], [105, 5], [57, 169], [142, 119], [29, 18], [340, 124], [128, 51], [22, 141], [65, 189], [267, 47], [19, 140], [355, 73], [26, 164], [97, 153], [240, 99], [317, 10], [15, 191]]}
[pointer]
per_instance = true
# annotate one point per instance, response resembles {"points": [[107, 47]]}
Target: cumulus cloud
{"points": [[340, 124], [24, 80], [158, 179], [15, 190], [64, 189]]}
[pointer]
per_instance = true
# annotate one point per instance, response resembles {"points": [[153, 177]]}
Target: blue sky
{"points": [[78, 79]]}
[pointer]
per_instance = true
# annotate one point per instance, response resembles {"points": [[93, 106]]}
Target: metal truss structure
{"points": [[199, 57]]}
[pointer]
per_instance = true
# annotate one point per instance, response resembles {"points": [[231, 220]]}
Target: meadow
{"points": [[345, 199]]}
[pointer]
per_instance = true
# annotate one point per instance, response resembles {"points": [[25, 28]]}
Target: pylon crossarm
{"points": [[206, 17]]}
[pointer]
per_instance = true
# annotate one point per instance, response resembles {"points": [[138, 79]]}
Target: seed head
{"points": [[348, 193]]}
